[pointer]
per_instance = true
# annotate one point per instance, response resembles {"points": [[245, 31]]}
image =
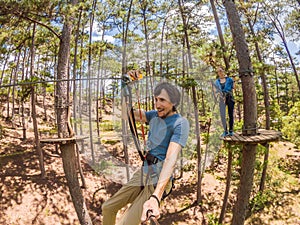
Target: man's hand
{"points": [[131, 76], [135, 75], [126, 79], [150, 208]]}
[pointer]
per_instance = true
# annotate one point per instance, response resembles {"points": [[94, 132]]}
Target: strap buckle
{"points": [[151, 159]]}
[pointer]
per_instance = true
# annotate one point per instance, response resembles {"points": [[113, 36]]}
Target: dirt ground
{"points": [[26, 198]]}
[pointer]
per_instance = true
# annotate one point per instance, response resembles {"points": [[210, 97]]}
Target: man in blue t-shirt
{"points": [[168, 134]]}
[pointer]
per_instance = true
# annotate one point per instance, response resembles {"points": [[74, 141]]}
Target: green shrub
{"points": [[213, 219], [261, 200], [291, 124]]}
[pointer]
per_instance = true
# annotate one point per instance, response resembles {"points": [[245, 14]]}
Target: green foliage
{"points": [[26, 86], [50, 88], [261, 200], [292, 23], [104, 165], [238, 125], [290, 166], [189, 150], [189, 167], [276, 115], [258, 162], [106, 126], [205, 138], [236, 161], [118, 126], [213, 219], [291, 124], [3, 91], [24, 92], [188, 82]]}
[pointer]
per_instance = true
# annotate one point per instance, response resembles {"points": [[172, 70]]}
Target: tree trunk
{"points": [[220, 33], [89, 88], [62, 105], [33, 108], [148, 68], [15, 77], [80, 94], [3, 69], [227, 189], [98, 98], [22, 99], [263, 78], [100, 89], [250, 112], [186, 36], [23, 121], [278, 26], [246, 183], [69, 165], [124, 71], [267, 107], [8, 93], [197, 130], [195, 102], [75, 72]]}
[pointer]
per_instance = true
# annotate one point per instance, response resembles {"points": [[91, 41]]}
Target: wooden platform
{"points": [[262, 136], [63, 140]]}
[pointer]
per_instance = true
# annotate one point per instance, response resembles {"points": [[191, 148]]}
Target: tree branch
{"points": [[35, 21]]}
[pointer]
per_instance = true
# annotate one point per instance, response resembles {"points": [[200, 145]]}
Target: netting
{"points": [[106, 140], [99, 121]]}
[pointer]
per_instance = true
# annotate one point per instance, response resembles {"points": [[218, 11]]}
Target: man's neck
{"points": [[171, 113]]}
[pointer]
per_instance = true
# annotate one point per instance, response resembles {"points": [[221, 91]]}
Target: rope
{"points": [[246, 72], [251, 128], [53, 81], [131, 119], [140, 114], [151, 218]]}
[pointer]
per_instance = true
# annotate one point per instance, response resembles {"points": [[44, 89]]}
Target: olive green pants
{"points": [[131, 192]]}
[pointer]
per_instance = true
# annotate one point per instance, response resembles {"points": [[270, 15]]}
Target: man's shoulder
{"points": [[229, 78], [182, 128], [150, 114], [181, 120]]}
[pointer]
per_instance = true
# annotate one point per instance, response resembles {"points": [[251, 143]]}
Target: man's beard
{"points": [[167, 114]]}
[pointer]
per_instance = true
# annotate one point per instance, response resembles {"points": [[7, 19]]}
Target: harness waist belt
{"points": [[151, 159]]}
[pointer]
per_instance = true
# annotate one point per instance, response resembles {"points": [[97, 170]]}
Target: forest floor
{"points": [[26, 198]]}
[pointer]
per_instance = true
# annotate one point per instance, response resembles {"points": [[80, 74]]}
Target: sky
{"points": [[293, 46]]}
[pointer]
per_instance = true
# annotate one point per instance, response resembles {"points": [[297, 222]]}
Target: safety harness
{"points": [[145, 157]]}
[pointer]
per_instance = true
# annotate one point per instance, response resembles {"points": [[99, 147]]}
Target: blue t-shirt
{"points": [[174, 128], [227, 88]]}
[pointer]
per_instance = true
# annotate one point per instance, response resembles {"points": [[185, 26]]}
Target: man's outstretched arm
{"points": [[166, 172]]}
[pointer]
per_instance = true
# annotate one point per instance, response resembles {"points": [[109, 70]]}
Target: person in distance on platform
{"points": [[224, 90]]}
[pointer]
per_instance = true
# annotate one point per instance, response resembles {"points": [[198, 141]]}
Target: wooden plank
{"points": [[63, 140], [263, 136], [58, 140]]}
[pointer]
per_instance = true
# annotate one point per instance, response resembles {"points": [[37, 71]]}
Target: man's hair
{"points": [[172, 91]]}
